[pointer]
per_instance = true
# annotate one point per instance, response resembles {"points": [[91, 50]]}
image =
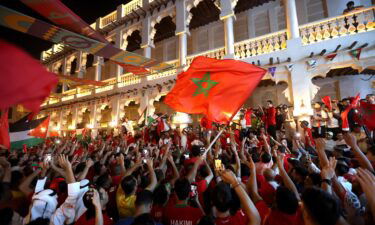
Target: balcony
{"points": [[342, 26], [260, 45], [349, 24], [110, 85], [129, 79]]}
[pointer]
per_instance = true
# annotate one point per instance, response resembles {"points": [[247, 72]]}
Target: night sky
{"points": [[88, 10]]}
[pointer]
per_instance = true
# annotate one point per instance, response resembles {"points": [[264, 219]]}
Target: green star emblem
{"points": [[204, 85]]}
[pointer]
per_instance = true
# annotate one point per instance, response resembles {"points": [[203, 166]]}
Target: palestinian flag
{"points": [[26, 132], [80, 133]]}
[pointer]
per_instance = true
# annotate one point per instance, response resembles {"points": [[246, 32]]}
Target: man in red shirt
{"points": [[182, 212], [271, 119], [222, 198], [309, 140]]}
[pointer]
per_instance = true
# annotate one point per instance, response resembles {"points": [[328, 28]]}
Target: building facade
{"points": [[310, 43]]}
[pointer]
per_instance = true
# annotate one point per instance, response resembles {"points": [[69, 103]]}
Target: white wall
{"points": [[351, 85], [272, 92], [344, 86]]}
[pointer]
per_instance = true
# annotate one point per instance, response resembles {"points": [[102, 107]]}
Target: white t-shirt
{"points": [[243, 124], [332, 122], [322, 115], [330, 145]]}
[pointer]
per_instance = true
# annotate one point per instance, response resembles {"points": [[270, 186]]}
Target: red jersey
{"points": [[157, 213], [271, 116], [308, 135], [182, 214], [239, 218], [276, 217], [83, 221]]}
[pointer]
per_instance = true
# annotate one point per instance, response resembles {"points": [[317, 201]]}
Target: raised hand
{"points": [[228, 177], [320, 144], [96, 199], [350, 139], [328, 171], [64, 162], [89, 162], [367, 181]]}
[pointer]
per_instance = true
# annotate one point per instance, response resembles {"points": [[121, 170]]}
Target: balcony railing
{"points": [[53, 101], [133, 5], [129, 79], [108, 19], [166, 73], [348, 24], [110, 83], [83, 93], [70, 92], [217, 53], [260, 45], [67, 98]]}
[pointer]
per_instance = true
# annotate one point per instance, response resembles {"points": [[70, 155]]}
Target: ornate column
{"points": [[93, 121], [146, 39], [115, 113], [81, 64], [291, 19], [118, 42], [98, 62], [181, 30], [301, 85], [74, 116], [64, 71], [227, 16]]}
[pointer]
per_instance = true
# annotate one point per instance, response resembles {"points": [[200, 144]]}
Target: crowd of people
{"points": [[259, 171]]}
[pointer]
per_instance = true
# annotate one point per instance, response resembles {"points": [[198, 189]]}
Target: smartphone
{"points": [[218, 164], [144, 152], [118, 150], [193, 189], [47, 157], [186, 156], [298, 134], [144, 161], [228, 140]]}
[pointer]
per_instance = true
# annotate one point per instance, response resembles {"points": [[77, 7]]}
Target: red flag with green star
{"points": [[215, 88], [367, 112]]}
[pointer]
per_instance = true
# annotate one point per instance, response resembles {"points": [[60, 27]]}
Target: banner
{"points": [[356, 53], [29, 25], [331, 56], [272, 71], [58, 13], [311, 63], [78, 81], [289, 67]]}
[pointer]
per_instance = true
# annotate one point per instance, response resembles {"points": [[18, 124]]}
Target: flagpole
{"points": [[213, 141]]}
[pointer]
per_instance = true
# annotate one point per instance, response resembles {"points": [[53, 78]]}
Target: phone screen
{"points": [[218, 164], [228, 140], [48, 157], [193, 190]]}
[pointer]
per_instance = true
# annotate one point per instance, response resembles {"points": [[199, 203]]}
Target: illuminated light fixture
{"points": [[43, 129], [90, 126], [57, 128], [72, 127], [113, 123], [181, 118]]}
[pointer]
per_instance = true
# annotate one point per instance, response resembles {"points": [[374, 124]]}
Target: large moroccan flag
{"points": [[4, 130], [30, 133], [367, 112], [23, 80], [215, 88]]}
